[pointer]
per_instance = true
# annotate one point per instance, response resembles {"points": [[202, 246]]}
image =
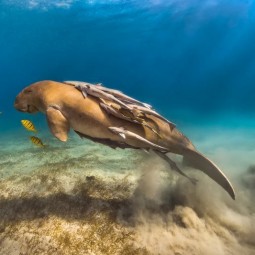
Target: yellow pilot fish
{"points": [[28, 125], [37, 141]]}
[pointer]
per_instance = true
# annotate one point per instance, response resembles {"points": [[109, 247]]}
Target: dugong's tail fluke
{"points": [[197, 160]]}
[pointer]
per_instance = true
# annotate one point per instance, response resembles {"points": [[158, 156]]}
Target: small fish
{"points": [[37, 141], [28, 125]]}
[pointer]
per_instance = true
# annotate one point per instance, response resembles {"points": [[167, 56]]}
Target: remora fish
{"points": [[118, 97], [93, 91], [88, 88], [128, 134], [118, 94], [123, 97], [111, 110], [141, 110]]}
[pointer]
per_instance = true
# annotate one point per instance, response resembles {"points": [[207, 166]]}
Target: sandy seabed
{"points": [[85, 198]]}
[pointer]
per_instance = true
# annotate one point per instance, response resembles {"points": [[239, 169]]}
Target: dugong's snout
{"points": [[19, 105], [23, 104]]}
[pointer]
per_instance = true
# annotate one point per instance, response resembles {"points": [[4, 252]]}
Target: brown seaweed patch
{"points": [[39, 215]]}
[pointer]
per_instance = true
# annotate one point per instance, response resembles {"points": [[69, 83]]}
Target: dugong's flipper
{"points": [[174, 166], [197, 160], [58, 124]]}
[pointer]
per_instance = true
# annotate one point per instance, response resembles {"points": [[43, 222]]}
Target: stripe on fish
{"points": [[28, 125]]}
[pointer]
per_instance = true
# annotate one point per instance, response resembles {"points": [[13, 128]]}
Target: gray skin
{"points": [[111, 110], [90, 89], [115, 113], [130, 135], [116, 93], [151, 112], [93, 91], [123, 97]]}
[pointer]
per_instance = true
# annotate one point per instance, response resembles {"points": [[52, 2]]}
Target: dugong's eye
{"points": [[26, 91]]}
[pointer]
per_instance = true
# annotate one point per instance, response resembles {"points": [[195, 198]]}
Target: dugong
{"points": [[66, 108]]}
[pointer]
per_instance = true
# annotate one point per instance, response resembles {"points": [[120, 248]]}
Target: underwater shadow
{"points": [[69, 207], [81, 206]]}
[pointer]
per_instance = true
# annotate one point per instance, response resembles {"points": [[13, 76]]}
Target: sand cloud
{"points": [[174, 217]]}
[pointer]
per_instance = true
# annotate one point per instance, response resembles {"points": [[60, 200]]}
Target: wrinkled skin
{"points": [[65, 107]]}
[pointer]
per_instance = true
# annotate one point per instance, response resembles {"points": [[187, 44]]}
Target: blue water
{"points": [[189, 59]]}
